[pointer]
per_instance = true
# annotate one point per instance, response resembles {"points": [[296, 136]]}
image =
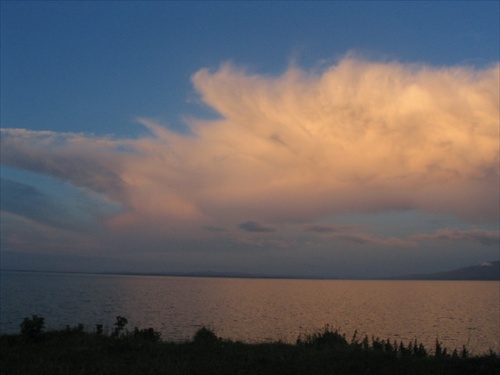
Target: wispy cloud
{"points": [[368, 239], [481, 236], [326, 229], [355, 235], [359, 136], [21, 233], [85, 161], [253, 226]]}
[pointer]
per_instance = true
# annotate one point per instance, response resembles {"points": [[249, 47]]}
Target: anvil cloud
{"points": [[356, 137]]}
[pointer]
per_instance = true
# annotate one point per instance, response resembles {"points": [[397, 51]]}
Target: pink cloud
{"points": [[359, 136], [481, 236]]}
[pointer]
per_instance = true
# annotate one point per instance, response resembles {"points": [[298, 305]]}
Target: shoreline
{"points": [[142, 351], [244, 276]]}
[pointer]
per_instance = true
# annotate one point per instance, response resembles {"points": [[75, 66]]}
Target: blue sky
{"points": [[305, 138]]}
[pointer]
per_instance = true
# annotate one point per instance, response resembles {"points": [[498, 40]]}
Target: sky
{"points": [[309, 139]]}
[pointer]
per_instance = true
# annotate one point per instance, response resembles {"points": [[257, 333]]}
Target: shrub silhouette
{"points": [[205, 336], [147, 334], [327, 338], [120, 324], [99, 329], [32, 329], [77, 330]]}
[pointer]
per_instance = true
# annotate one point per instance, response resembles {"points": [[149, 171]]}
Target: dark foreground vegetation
{"points": [[142, 351]]}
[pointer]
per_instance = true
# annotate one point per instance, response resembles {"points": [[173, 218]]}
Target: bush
{"points": [[120, 324], [205, 336], [99, 329], [327, 338], [148, 334], [32, 329], [77, 330]]}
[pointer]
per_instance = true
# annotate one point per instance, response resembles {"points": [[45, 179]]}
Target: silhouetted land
{"points": [[488, 271], [141, 351]]}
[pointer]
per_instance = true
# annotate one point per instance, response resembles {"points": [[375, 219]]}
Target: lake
{"points": [[259, 310]]}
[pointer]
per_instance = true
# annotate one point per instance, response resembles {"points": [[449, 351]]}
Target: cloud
{"points": [[368, 239], [481, 236], [57, 205], [253, 226], [22, 233], [352, 234], [328, 228], [25, 200], [89, 162], [359, 136], [214, 228]]}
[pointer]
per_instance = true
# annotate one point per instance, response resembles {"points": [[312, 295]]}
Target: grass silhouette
{"points": [[142, 351]]}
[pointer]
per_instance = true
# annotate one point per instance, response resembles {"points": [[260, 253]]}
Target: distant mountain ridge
{"points": [[486, 271]]}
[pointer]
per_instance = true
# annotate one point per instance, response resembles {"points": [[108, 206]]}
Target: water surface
{"points": [[251, 310]]}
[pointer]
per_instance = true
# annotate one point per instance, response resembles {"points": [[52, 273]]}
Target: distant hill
{"points": [[484, 271]]}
